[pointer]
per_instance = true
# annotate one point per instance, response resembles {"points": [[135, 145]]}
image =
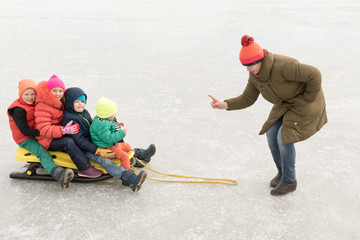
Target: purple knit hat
{"points": [[54, 82]]}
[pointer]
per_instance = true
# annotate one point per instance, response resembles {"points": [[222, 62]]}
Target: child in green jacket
{"points": [[75, 111], [107, 133]]}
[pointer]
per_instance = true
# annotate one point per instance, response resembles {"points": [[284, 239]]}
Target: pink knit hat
{"points": [[54, 82]]}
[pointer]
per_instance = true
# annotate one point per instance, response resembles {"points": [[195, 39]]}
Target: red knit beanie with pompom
{"points": [[251, 52]]}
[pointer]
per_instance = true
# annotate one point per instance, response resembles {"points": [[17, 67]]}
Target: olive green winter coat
{"points": [[294, 89]]}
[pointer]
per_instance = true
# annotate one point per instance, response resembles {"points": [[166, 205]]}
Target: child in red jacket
{"points": [[48, 115], [22, 122]]}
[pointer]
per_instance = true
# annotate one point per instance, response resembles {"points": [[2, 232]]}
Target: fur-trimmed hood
{"points": [[45, 96], [48, 115]]}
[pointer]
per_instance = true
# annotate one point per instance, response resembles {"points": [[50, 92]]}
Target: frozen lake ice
{"points": [[159, 60]]}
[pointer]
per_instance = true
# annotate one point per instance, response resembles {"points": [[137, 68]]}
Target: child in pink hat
{"points": [[48, 115], [55, 81]]}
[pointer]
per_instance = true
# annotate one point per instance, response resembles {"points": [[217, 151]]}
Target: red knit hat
{"points": [[251, 52], [26, 84]]}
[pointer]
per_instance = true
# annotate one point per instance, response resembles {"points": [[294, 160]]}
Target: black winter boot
{"points": [[276, 180], [284, 188], [135, 163], [62, 176], [132, 180], [145, 155]]}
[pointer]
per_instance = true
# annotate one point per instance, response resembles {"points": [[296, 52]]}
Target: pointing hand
{"points": [[216, 104]]}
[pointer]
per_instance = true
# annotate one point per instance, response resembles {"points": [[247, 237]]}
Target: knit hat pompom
{"points": [[54, 82], [26, 84], [246, 40], [251, 52]]}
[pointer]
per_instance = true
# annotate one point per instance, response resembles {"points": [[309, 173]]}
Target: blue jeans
{"points": [[113, 169], [68, 145], [283, 155]]}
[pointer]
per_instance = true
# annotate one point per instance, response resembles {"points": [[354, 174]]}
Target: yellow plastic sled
{"points": [[34, 170]]}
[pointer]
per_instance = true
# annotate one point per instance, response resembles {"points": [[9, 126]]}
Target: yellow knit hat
{"points": [[105, 108]]}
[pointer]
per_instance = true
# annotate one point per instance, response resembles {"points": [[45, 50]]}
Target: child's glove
{"points": [[106, 153], [70, 129]]}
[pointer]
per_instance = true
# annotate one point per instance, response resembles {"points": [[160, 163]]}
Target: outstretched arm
{"points": [[246, 99]]}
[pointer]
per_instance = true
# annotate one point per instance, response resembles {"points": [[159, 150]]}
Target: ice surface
{"points": [[159, 60]]}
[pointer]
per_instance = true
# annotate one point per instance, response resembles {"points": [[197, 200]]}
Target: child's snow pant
{"points": [[120, 150], [44, 156], [67, 144]]}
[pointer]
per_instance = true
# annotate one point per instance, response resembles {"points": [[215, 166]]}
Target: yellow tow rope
{"points": [[207, 180]]}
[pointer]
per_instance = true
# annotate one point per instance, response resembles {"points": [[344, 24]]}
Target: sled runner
{"points": [[34, 170]]}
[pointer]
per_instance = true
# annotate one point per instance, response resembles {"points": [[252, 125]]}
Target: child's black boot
{"points": [[145, 155], [62, 176], [132, 180]]}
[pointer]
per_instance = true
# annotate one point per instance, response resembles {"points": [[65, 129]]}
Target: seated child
{"points": [[22, 123], [49, 112], [75, 111], [107, 133]]}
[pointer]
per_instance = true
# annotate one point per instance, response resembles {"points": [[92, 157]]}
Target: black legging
{"points": [[68, 145]]}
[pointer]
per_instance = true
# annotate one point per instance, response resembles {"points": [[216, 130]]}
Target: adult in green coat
{"points": [[298, 111]]}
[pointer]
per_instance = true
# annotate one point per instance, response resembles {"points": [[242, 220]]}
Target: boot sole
{"points": [[86, 176], [141, 181], [283, 193], [69, 175]]}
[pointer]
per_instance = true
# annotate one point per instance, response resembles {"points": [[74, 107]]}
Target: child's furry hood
{"points": [[45, 96]]}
